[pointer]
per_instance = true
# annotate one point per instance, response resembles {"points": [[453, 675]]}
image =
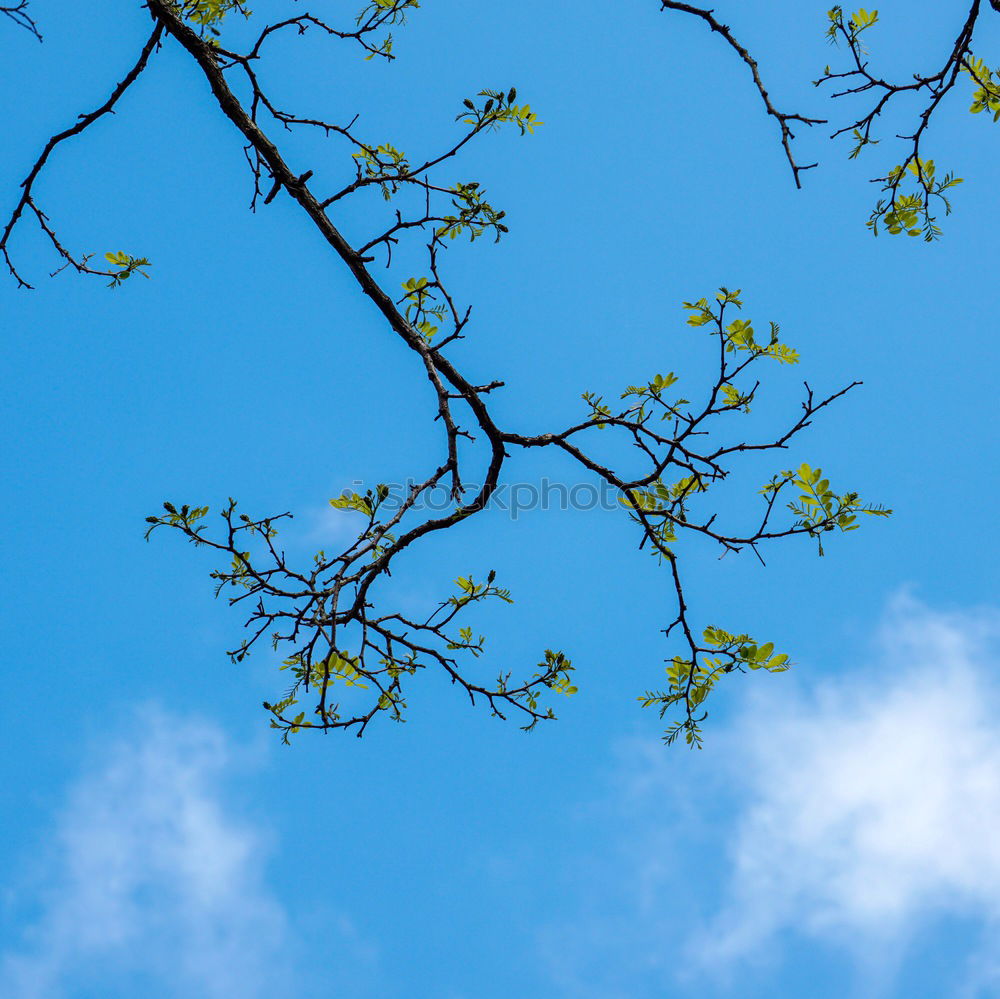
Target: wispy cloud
{"points": [[850, 817], [150, 878], [873, 806]]}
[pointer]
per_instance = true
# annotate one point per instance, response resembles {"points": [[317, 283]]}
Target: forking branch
{"points": [[355, 662]]}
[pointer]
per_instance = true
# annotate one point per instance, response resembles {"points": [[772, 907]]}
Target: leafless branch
{"points": [[782, 117], [18, 13]]}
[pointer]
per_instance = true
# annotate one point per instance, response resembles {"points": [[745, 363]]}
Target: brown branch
{"points": [[83, 123], [299, 191], [936, 85], [313, 610], [18, 13], [783, 118]]}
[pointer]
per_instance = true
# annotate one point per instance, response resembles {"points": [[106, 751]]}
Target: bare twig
{"points": [[782, 117], [83, 123], [18, 13]]}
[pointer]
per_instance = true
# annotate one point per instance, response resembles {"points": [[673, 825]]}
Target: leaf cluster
{"points": [[499, 108], [911, 212], [125, 265], [690, 681], [987, 94]]}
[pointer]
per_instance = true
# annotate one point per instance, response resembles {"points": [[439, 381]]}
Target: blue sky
{"points": [[836, 835]]}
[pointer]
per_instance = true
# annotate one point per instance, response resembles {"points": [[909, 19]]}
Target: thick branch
{"points": [[315, 610], [299, 191]]}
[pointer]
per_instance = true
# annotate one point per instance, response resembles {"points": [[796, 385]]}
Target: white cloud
{"points": [[873, 806], [150, 878], [848, 819]]}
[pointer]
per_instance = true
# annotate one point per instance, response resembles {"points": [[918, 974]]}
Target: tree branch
{"points": [[783, 118], [84, 122], [18, 13], [327, 609]]}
